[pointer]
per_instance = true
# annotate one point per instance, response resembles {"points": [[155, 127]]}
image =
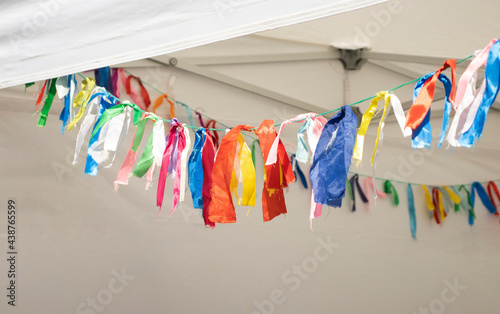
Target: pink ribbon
{"points": [[370, 186], [273, 152]]}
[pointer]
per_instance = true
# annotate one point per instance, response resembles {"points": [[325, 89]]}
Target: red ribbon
{"points": [[213, 133], [40, 97], [207, 160], [144, 92], [492, 187], [221, 208], [423, 102]]}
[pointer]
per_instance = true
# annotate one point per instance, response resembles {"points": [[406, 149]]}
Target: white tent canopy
{"points": [[75, 232]]}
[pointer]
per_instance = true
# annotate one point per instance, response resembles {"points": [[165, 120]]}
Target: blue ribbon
{"points": [[195, 168], [188, 112], [103, 78], [422, 135], [64, 116], [298, 171], [477, 187], [411, 212], [492, 76], [354, 182], [332, 158], [91, 164]]}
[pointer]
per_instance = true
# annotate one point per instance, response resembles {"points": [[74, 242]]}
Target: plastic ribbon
{"points": [[128, 163], [422, 135], [428, 198], [399, 114], [298, 171], [422, 104], [103, 78], [171, 163], [492, 188], [470, 208], [113, 133], [104, 103], [88, 121], [314, 131], [276, 175], [66, 86], [221, 208], [332, 158], [365, 122], [195, 167], [215, 136], [147, 158], [354, 181], [159, 101], [81, 100], [370, 186], [454, 197], [256, 141], [48, 103], [188, 112], [437, 199], [481, 192], [184, 164], [133, 94], [390, 189], [468, 97], [492, 77], [313, 126], [411, 212], [40, 96], [208, 157]]}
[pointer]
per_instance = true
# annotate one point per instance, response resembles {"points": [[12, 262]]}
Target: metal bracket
{"points": [[352, 58]]}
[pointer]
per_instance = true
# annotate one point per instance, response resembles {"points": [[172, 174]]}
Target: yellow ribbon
{"points": [[81, 100], [441, 206], [386, 104], [246, 175], [453, 196], [428, 199], [357, 154]]}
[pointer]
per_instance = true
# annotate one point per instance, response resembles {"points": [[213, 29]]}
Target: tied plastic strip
{"points": [[422, 104], [213, 133], [454, 197], [314, 130], [313, 126], [103, 104], [195, 166], [113, 133], [159, 102], [332, 158], [363, 128], [188, 113], [470, 207], [159, 145], [103, 78], [276, 175], [492, 188], [66, 86], [298, 172], [468, 97], [40, 96], [492, 77], [439, 213], [390, 189], [147, 157], [481, 192], [128, 163], [411, 212], [221, 208], [253, 150], [184, 164], [81, 101], [428, 198], [48, 103], [144, 104], [171, 162], [422, 135], [208, 157], [354, 181], [370, 186]]}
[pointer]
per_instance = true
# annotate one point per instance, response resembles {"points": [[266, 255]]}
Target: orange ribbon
{"points": [[159, 101], [423, 102]]}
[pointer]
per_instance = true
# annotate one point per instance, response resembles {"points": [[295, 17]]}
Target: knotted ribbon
{"points": [[481, 192], [492, 78], [48, 103], [133, 94], [422, 103], [159, 102], [81, 100], [468, 97], [370, 186], [390, 189], [195, 166], [354, 182], [332, 158], [207, 158], [277, 175]]}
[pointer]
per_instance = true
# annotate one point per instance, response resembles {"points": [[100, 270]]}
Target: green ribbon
{"points": [[26, 86], [147, 156], [349, 189], [115, 111], [253, 151], [48, 103], [472, 214], [390, 189]]}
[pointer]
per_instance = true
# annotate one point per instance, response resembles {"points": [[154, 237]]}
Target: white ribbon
{"points": [[400, 115], [159, 145], [184, 164]]}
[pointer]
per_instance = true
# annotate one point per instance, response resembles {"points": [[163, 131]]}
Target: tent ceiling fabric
{"points": [[40, 40]]}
